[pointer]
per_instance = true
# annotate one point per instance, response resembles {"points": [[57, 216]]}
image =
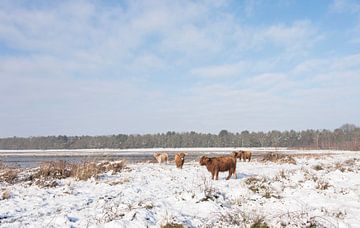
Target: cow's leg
{"points": [[217, 174], [231, 172]]}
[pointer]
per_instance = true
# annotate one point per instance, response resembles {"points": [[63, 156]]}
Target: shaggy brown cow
{"points": [[180, 159], [219, 164], [161, 157], [246, 155], [236, 154]]}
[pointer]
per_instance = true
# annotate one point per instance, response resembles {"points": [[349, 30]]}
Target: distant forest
{"points": [[346, 137]]}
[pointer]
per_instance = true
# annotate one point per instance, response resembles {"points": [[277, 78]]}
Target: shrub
{"points": [[259, 223], [172, 225], [9, 175], [234, 219], [318, 167], [278, 158], [262, 186], [6, 195], [81, 171], [322, 184]]}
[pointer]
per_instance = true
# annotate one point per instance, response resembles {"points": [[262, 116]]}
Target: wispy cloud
{"points": [[219, 70], [346, 6]]}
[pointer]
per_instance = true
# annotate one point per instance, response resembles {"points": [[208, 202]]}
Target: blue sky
{"points": [[109, 67]]}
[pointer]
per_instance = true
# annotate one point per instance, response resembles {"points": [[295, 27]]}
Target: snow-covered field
{"points": [[320, 190]]}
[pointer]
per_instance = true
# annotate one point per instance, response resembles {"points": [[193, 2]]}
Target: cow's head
{"points": [[204, 160]]}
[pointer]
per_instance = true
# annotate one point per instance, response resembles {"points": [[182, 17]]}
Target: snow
{"points": [[150, 194]]}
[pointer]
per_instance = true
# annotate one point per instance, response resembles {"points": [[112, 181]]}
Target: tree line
{"points": [[346, 137]]}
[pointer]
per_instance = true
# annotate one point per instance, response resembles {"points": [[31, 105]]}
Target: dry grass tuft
{"points": [[2, 166], [349, 165], [262, 186], [314, 156], [172, 225], [318, 167], [9, 175], [110, 212], [281, 175], [210, 193], [117, 182], [322, 184], [259, 223], [278, 158], [5, 195], [82, 171], [234, 219], [238, 218], [53, 170], [91, 169]]}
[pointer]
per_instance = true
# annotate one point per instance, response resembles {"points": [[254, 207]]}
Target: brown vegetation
{"points": [[82, 171], [9, 175], [279, 158], [172, 225], [219, 164], [259, 223], [5, 195], [262, 185], [322, 184]]}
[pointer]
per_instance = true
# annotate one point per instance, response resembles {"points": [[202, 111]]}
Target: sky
{"points": [[135, 67]]}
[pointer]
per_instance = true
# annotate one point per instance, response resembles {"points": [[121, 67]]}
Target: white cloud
{"points": [[347, 6], [301, 35], [224, 70]]}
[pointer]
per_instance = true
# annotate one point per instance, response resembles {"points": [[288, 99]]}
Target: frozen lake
{"points": [[32, 158]]}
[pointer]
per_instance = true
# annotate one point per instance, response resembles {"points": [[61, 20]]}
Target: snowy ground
{"points": [[318, 190]]}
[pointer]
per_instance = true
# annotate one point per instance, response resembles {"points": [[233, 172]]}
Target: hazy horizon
{"points": [[137, 67]]}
